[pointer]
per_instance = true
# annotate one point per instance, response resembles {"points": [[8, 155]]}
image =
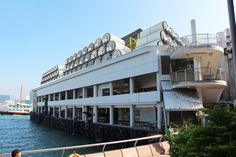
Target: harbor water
{"points": [[18, 132]]}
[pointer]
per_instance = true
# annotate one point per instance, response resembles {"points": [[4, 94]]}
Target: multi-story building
{"points": [[164, 79]]}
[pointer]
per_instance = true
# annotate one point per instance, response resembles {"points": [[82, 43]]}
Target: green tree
{"points": [[218, 138]]}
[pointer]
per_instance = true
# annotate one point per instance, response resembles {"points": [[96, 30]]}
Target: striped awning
{"points": [[182, 100]]}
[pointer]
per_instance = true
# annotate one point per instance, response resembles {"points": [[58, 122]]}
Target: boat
{"points": [[15, 108]]}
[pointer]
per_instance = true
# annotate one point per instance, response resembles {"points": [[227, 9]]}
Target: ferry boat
{"points": [[16, 108], [150, 77]]}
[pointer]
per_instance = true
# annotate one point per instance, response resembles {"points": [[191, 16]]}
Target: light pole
{"points": [[233, 33]]}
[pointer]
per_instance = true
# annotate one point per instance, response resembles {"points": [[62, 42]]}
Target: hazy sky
{"points": [[35, 35]]}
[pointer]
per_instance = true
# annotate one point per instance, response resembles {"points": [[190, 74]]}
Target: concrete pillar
{"points": [[111, 88], [111, 116], [95, 114], [49, 97], [66, 95], [158, 82], [74, 94], [54, 96], [95, 90], [197, 68], [53, 111], [131, 110], [73, 112], [59, 95], [85, 117], [66, 114], [59, 111], [159, 116], [49, 108], [131, 85], [84, 92]]}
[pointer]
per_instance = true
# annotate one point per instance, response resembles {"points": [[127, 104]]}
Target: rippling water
{"points": [[18, 132]]}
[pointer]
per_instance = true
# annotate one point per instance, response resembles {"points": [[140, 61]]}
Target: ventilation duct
{"points": [[109, 37]]}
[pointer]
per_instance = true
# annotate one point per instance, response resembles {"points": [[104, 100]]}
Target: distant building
{"points": [[31, 97], [4, 98], [23, 93]]}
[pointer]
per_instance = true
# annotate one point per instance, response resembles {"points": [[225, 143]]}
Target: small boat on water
{"points": [[16, 108]]}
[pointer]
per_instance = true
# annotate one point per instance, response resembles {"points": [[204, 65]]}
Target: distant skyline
{"points": [[36, 35]]}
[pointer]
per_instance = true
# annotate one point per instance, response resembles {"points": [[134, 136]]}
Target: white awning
{"points": [[182, 100]]}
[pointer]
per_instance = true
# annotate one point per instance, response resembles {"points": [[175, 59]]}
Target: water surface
{"points": [[18, 132]]}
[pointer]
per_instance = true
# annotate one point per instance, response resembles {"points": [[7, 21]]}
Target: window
{"points": [[165, 65], [70, 94], [56, 96], [63, 95], [103, 115], [78, 93], [105, 92], [90, 91], [51, 97], [120, 87], [145, 83]]}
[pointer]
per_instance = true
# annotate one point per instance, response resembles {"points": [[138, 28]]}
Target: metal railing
{"points": [[138, 124], [145, 125], [104, 144], [198, 74], [199, 40]]}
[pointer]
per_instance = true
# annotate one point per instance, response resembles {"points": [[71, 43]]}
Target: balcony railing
{"points": [[198, 74], [199, 40]]}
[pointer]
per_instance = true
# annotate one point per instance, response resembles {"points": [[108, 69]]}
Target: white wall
{"points": [[124, 99], [139, 62]]}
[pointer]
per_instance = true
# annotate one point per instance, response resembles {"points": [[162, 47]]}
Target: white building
{"points": [[151, 84]]}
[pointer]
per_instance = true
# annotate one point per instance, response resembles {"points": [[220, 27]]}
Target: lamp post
{"points": [[233, 33]]}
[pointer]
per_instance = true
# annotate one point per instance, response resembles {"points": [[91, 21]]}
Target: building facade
{"points": [[155, 84]]}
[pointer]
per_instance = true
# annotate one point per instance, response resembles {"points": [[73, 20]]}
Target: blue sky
{"points": [[35, 35]]}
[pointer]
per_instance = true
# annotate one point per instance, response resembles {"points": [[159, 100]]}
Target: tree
{"points": [[217, 138]]}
